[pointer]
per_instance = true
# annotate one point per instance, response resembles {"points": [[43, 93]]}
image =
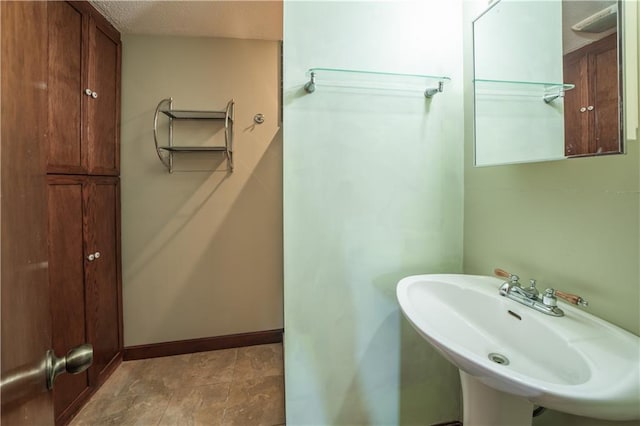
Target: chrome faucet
{"points": [[547, 304]]}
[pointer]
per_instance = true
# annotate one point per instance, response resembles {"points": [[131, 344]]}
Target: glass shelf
{"points": [[195, 115], [358, 79], [192, 148], [520, 88]]}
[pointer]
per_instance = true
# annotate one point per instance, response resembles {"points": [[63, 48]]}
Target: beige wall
{"points": [[201, 251], [572, 224]]}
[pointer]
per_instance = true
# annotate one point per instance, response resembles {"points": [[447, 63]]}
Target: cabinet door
{"points": [[66, 282], [103, 112], [592, 117], [604, 76], [102, 273], [576, 115], [66, 84]]}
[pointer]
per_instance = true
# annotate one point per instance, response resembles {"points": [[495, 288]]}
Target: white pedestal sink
{"points": [[511, 356], [483, 406]]}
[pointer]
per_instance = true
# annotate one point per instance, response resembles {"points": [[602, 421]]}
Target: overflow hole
{"points": [[513, 314]]}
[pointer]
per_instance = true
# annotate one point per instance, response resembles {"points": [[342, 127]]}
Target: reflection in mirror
{"points": [[590, 52], [533, 74]]}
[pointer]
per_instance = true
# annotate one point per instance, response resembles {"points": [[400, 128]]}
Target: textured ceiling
{"points": [[218, 18]]}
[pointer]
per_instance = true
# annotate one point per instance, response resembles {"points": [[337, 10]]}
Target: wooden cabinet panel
{"points": [[103, 310], [576, 127], [66, 84], [66, 282], [605, 96], [103, 110]]}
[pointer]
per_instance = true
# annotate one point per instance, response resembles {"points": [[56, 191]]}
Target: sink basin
{"points": [[578, 363]]}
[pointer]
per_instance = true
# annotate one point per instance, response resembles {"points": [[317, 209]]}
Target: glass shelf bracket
{"points": [[357, 79]]}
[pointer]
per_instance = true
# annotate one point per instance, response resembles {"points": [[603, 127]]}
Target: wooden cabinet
{"points": [[83, 196], [84, 253], [592, 124], [84, 91]]}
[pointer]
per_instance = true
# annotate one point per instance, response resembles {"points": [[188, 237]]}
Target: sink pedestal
{"points": [[484, 406]]}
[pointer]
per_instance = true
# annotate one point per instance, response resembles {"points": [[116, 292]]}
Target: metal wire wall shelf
{"points": [[357, 79], [166, 152]]}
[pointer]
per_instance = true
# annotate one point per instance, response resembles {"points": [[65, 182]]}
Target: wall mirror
{"points": [[547, 80]]}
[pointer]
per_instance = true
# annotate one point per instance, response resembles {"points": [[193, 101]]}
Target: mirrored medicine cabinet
{"points": [[547, 80]]}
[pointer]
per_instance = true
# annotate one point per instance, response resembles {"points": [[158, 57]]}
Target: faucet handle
{"points": [[501, 273], [549, 297], [532, 291], [574, 299], [504, 274]]}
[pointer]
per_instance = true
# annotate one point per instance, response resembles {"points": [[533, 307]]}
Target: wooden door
{"points": [[103, 297], [103, 112], [26, 330], [67, 83], [66, 283]]}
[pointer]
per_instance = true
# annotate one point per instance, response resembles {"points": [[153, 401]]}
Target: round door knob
{"points": [[94, 95], [91, 257], [583, 109], [79, 358], [76, 361], [590, 108], [88, 92], [97, 254]]}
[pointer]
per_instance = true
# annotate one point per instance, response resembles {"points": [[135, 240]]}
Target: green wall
{"points": [[571, 224], [372, 193]]}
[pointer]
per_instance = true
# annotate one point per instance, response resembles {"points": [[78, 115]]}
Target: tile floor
{"points": [[242, 386]]}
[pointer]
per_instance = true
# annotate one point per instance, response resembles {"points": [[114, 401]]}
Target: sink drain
{"points": [[499, 358]]}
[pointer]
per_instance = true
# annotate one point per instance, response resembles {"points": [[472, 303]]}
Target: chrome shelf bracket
{"points": [[310, 87], [165, 157], [550, 97], [429, 93]]}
